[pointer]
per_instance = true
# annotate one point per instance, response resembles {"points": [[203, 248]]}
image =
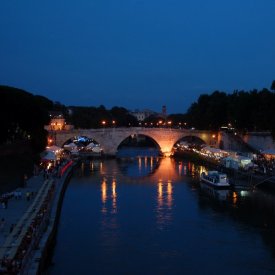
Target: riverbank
{"points": [[43, 252], [28, 221], [237, 178]]}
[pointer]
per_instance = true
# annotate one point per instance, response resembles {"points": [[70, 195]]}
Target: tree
{"points": [[23, 117], [272, 88]]}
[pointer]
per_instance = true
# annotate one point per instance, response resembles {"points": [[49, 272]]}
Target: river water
{"points": [[150, 215]]}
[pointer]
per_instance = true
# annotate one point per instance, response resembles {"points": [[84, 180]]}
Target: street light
{"points": [[103, 122], [114, 123], [50, 142]]}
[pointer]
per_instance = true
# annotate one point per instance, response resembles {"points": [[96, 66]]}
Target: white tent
{"points": [[70, 146], [96, 149], [90, 145], [74, 151], [49, 155], [54, 149]]}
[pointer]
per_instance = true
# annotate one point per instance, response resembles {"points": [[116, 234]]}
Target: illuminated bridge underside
{"points": [[110, 138]]}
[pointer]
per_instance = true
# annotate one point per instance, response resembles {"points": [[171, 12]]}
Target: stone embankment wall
{"points": [[42, 254], [247, 143], [260, 140], [231, 142]]}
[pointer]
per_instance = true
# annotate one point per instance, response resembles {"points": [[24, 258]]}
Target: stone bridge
{"points": [[110, 138]]}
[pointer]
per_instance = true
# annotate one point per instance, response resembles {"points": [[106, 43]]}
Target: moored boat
{"points": [[215, 179]]}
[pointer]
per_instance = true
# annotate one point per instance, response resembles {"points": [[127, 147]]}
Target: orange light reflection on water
{"points": [[160, 194], [114, 196], [169, 194]]}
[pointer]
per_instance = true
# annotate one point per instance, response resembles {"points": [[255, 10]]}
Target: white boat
{"points": [[215, 179], [220, 194]]}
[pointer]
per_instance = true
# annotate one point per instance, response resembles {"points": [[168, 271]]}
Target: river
{"points": [[151, 215]]}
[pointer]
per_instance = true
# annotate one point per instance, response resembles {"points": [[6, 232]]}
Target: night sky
{"points": [[136, 53]]}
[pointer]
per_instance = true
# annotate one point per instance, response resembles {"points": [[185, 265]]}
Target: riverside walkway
{"points": [[24, 219]]}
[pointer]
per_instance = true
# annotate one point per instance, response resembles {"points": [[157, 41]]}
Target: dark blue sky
{"points": [[136, 53]]}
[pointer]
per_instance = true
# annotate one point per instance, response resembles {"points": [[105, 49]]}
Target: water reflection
{"points": [[104, 195], [214, 193], [164, 203], [169, 194], [155, 213], [139, 166], [112, 197]]}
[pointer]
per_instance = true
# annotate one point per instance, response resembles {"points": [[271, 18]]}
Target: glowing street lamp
{"points": [[103, 122], [114, 123], [50, 141]]}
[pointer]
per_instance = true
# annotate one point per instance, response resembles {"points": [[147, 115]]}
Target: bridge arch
{"points": [[139, 139], [136, 142], [80, 139], [191, 139]]}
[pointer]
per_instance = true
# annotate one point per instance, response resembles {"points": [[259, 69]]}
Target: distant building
{"points": [[164, 113], [57, 122], [142, 115]]}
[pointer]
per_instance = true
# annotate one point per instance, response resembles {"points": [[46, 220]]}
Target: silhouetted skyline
{"points": [[134, 53]]}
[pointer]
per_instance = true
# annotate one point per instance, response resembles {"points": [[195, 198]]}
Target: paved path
{"points": [[17, 207]]}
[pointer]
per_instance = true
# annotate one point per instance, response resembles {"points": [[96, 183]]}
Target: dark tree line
{"points": [[246, 111], [93, 117], [23, 116]]}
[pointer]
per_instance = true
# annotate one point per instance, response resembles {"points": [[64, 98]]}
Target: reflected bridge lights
{"points": [[112, 196], [165, 193], [164, 198]]}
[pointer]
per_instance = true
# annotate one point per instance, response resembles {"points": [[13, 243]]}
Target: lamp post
{"points": [[103, 123], [213, 139]]}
